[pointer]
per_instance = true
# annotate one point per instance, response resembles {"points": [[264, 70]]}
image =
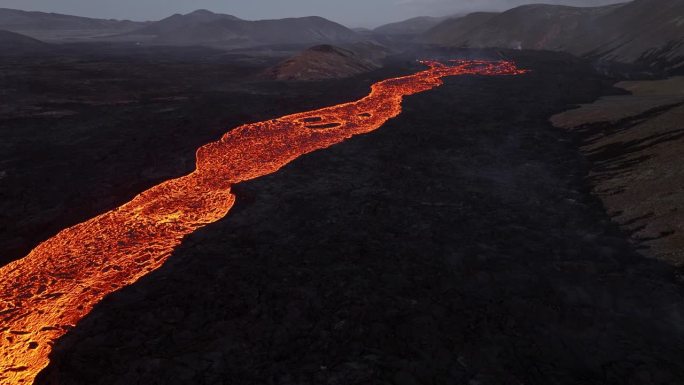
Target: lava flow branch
{"points": [[47, 292]]}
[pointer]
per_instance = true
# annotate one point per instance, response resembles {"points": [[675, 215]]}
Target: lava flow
{"points": [[47, 292]]}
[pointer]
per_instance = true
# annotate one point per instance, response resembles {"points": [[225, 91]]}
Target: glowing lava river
{"points": [[47, 292]]}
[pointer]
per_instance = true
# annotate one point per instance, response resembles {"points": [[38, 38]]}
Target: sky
{"points": [[352, 13]]}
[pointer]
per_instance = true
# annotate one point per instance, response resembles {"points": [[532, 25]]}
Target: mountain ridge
{"points": [[204, 27], [649, 33], [200, 27], [41, 24], [412, 26]]}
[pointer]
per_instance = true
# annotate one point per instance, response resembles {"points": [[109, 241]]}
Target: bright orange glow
{"points": [[47, 292]]}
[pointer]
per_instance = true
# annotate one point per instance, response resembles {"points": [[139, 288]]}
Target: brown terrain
{"points": [[329, 62], [634, 146]]}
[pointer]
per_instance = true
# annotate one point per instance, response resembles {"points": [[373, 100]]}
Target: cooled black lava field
{"points": [[457, 244]]}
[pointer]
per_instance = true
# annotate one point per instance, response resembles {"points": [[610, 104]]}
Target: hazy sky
{"points": [[353, 13]]}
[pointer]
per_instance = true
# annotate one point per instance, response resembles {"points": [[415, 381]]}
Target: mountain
{"points": [[330, 62], [179, 22], [207, 28], [55, 26], [649, 32], [643, 30], [450, 31], [200, 27], [11, 42], [414, 26], [537, 26]]}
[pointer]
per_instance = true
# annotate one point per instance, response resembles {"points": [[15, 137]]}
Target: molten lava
{"points": [[47, 292]]}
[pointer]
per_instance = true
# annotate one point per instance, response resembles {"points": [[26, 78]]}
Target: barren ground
{"points": [[458, 244]]}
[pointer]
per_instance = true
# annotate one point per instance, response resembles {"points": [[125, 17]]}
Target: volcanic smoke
{"points": [[47, 292]]}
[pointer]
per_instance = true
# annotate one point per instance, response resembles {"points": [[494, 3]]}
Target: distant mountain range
{"points": [[201, 27], [645, 32], [649, 32], [204, 27], [48, 26]]}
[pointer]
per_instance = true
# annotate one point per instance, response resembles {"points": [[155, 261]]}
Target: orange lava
{"points": [[47, 292]]}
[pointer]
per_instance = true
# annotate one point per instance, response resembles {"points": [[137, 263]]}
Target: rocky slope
{"points": [[536, 26], [634, 145], [643, 30], [330, 62], [646, 32], [13, 43]]}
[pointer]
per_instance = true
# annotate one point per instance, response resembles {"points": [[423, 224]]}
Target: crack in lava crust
{"points": [[47, 292]]}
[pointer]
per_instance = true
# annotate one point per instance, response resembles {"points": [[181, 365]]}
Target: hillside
{"points": [[178, 22], [643, 30], [329, 62], [44, 25], [413, 26], [11, 42], [536, 26], [649, 32], [450, 31], [633, 146]]}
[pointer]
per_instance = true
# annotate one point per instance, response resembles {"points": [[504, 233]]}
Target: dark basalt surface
{"points": [[86, 129], [457, 244]]}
